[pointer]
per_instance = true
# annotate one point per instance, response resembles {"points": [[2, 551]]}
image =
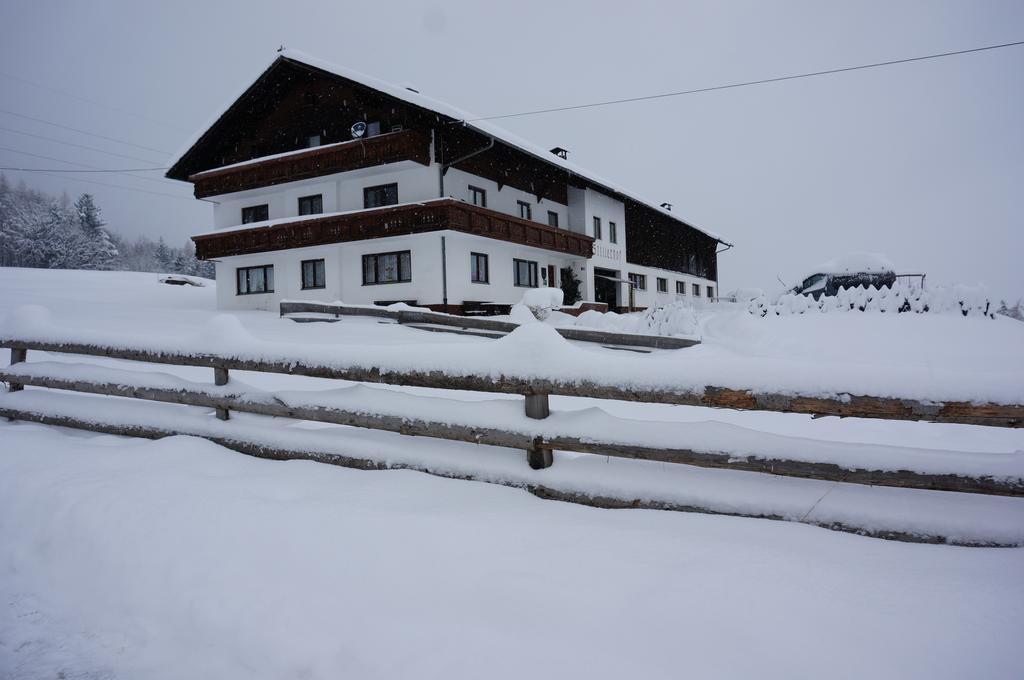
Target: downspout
{"points": [[444, 275], [718, 273], [443, 168]]}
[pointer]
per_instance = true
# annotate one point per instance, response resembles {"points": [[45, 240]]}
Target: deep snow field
{"points": [[124, 558]]}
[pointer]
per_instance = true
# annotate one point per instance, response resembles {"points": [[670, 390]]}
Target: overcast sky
{"points": [[923, 162]]}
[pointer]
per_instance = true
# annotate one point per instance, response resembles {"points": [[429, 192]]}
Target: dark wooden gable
{"points": [[654, 239], [289, 102]]}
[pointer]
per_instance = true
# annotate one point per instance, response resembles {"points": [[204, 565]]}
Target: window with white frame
{"points": [[380, 196], [552, 218], [597, 228], [525, 210], [639, 281], [662, 285], [613, 232], [680, 287]]}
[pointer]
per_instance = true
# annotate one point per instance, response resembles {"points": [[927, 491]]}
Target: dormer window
{"points": [[313, 140], [373, 128]]}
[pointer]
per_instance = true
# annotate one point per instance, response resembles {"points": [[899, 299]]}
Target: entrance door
{"points": [[552, 281], [605, 289]]}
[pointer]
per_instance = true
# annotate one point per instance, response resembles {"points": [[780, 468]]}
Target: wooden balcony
{"points": [[405, 145], [418, 218]]}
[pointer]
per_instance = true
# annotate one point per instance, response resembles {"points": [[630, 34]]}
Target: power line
{"points": [[90, 101], [746, 83], [121, 186], [85, 132], [84, 165], [64, 170], [80, 146]]}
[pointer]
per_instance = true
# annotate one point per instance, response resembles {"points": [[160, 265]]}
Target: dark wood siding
{"points": [[656, 240]]}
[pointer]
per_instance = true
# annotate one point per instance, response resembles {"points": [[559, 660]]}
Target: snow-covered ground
{"points": [[177, 558]]}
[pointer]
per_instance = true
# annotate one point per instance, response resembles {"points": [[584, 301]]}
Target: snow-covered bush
{"points": [[674, 319], [541, 301], [963, 300]]}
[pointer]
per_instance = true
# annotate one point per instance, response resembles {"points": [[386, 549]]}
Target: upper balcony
{"points": [[392, 147], [399, 220]]}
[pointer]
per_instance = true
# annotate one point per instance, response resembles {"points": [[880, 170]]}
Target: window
{"points": [[379, 196], [387, 268], [552, 218], [696, 290], [525, 273], [313, 140], [662, 285], [478, 270], [597, 228], [477, 196], [680, 287], [397, 127], [373, 128], [255, 279], [613, 232], [313, 274], [711, 292], [311, 205], [525, 210], [639, 281], [255, 213]]}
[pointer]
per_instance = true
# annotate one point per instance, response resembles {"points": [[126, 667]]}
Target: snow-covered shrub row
{"points": [[963, 300], [674, 319]]}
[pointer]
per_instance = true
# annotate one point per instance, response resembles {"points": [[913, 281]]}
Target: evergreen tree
{"points": [[100, 251], [163, 255]]}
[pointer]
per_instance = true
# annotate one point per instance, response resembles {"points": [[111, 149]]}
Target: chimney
{"points": [[667, 206], [560, 152]]}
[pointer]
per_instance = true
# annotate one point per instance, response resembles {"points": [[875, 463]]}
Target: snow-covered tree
{"points": [[100, 251], [163, 255]]}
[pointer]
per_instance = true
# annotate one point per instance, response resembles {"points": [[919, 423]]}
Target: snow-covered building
{"points": [[331, 185]]}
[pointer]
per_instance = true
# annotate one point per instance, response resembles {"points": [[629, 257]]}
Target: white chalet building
{"points": [[330, 185]]}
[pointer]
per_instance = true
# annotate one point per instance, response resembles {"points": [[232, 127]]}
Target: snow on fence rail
{"points": [[706, 444]]}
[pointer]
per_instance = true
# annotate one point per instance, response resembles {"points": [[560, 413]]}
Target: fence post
{"points": [[537, 407], [18, 355], [220, 377]]}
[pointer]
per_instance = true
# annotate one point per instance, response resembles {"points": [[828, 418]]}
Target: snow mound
{"points": [[27, 320], [675, 319], [535, 343], [223, 333], [521, 314]]}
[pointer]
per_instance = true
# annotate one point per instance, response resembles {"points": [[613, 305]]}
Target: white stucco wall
{"points": [[343, 262], [456, 184], [341, 192], [344, 274]]}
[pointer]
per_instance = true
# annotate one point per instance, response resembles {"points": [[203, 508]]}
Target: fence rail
{"points": [[223, 399]]}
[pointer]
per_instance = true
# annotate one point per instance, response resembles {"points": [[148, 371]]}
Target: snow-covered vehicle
{"points": [[850, 271]]}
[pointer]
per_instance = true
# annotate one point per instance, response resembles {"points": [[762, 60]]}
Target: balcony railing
{"points": [[405, 145], [417, 218]]}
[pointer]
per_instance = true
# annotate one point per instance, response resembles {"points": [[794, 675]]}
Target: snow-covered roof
{"points": [[854, 263], [469, 120]]}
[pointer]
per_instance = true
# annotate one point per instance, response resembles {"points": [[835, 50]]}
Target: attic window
{"points": [[560, 152], [373, 129], [313, 140]]}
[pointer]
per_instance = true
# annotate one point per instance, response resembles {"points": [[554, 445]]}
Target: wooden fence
{"points": [[148, 386]]}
